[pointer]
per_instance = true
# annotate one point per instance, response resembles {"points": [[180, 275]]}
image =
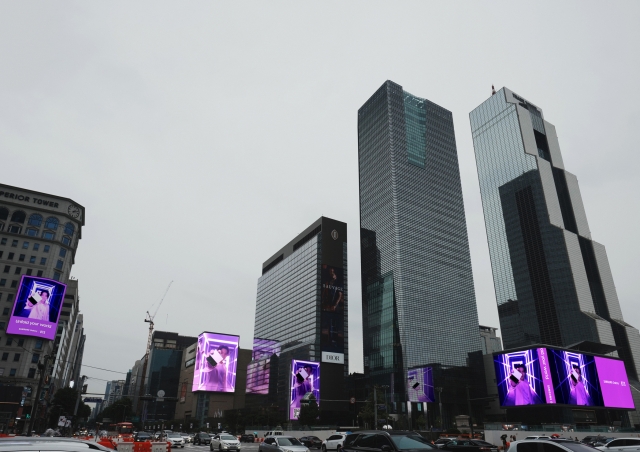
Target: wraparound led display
{"points": [[305, 382], [36, 310], [551, 376], [216, 363], [420, 385]]}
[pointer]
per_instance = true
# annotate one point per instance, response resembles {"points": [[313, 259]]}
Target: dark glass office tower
{"points": [[419, 304], [553, 282], [301, 314]]}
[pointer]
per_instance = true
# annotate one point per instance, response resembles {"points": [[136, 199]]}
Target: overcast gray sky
{"points": [[203, 136]]}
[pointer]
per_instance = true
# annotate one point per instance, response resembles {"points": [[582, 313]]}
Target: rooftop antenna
{"points": [[493, 90]]}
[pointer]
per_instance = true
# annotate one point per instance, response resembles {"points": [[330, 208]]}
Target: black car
{"points": [[469, 445], [311, 442], [441, 442], [143, 436], [385, 441], [201, 439], [247, 438]]}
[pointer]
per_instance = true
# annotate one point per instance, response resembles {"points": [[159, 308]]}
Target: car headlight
{"points": [[225, 446]]}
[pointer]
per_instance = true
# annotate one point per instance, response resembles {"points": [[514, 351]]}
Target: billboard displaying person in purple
{"points": [[305, 382], [420, 385], [519, 378], [216, 362], [575, 378], [36, 309], [332, 303]]}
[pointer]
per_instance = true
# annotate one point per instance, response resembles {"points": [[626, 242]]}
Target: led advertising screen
{"points": [[420, 385], [305, 382], [259, 370], [216, 362], [37, 307], [551, 376], [332, 302]]}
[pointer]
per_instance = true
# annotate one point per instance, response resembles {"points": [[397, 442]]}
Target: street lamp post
{"points": [[386, 406], [439, 389]]}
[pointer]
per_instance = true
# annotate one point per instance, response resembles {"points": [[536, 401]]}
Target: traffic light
{"points": [[84, 389], [28, 416]]}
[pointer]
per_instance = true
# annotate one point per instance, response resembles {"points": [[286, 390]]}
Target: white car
{"points": [[175, 439], [334, 442], [621, 445], [224, 441]]}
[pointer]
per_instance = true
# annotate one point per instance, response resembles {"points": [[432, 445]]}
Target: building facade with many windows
{"points": [[39, 235], [552, 281], [418, 297], [302, 314]]}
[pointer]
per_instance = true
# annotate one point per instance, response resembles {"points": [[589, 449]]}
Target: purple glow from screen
{"points": [[545, 376], [303, 387], [36, 310], [614, 383], [420, 385], [216, 362]]}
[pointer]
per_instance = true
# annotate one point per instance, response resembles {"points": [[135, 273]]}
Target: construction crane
{"points": [[149, 320]]}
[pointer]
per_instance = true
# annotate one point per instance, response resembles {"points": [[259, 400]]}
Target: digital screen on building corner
{"points": [[305, 383], [216, 363], [540, 376], [36, 310]]}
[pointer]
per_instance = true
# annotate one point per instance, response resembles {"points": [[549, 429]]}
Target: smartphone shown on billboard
{"points": [[36, 310]]}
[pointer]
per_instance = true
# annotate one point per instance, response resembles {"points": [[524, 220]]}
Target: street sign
{"points": [[92, 400], [352, 400], [382, 407]]}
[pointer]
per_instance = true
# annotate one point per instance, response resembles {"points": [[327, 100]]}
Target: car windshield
{"points": [[174, 435], [288, 442], [227, 437], [411, 442]]}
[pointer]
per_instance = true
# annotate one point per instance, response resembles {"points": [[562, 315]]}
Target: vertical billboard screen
{"points": [[551, 376], [216, 363], [420, 385], [259, 370], [332, 303], [305, 383], [36, 310]]}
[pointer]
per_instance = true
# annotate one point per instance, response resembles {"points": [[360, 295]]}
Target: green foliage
{"points": [[118, 411], [367, 413], [309, 412], [63, 404], [421, 422]]}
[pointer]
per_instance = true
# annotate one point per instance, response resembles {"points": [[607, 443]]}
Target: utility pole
{"points": [[469, 407], [375, 409], [36, 404], [440, 404]]}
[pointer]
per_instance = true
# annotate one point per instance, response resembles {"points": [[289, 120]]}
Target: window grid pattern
{"points": [[416, 266]]}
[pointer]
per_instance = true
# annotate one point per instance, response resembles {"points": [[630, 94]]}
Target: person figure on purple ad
{"points": [[578, 394], [215, 377], [37, 305], [519, 391], [303, 385]]}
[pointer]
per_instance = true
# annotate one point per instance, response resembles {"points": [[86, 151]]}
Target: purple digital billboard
{"points": [[551, 376], [305, 383], [259, 369], [37, 307], [216, 363], [420, 385]]}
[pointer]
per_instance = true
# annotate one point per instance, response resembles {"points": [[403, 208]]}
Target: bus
{"points": [[124, 429]]}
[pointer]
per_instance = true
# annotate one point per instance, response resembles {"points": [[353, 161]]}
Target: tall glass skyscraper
{"points": [[418, 297], [553, 282]]}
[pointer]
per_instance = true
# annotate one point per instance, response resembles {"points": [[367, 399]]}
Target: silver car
{"points": [[282, 444], [224, 441], [32, 443]]}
